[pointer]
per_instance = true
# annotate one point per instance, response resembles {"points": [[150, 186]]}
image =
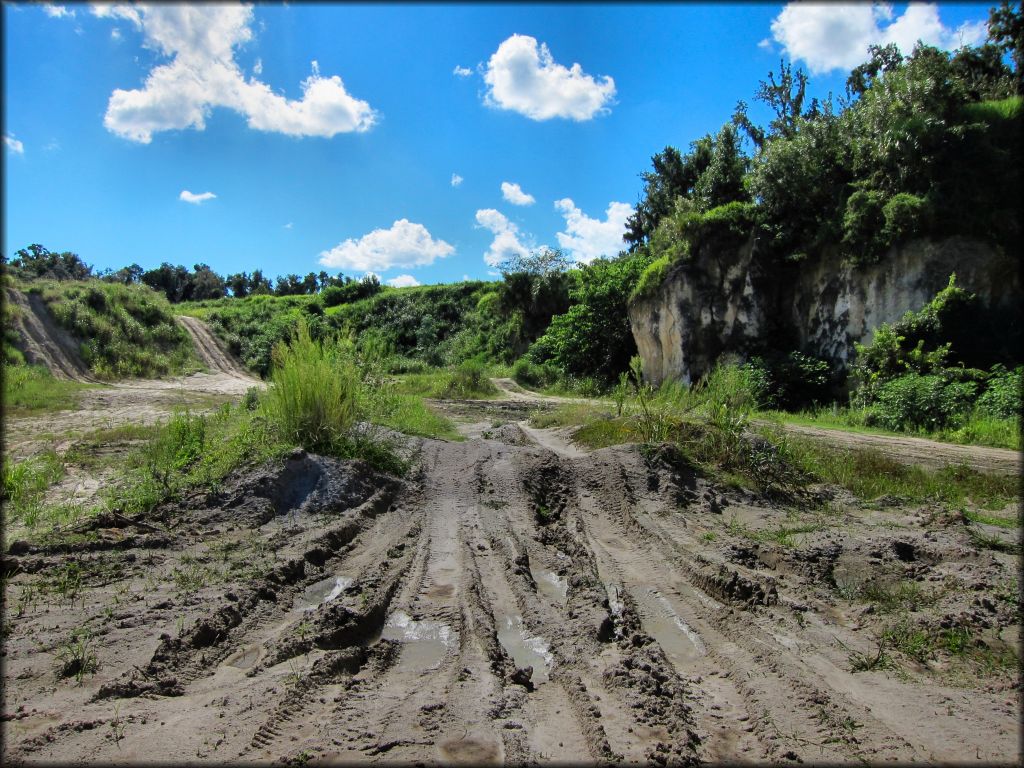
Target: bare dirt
{"points": [[516, 599], [46, 343]]}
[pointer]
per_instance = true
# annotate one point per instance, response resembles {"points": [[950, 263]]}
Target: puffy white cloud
{"points": [[462, 71], [13, 144], [116, 11], [403, 281], [56, 11], [191, 197], [515, 195], [586, 239], [405, 244], [834, 36], [523, 77], [257, 68], [506, 242], [203, 74], [456, 179]]}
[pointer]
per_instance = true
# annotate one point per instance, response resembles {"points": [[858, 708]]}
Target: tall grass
{"points": [[314, 391]]}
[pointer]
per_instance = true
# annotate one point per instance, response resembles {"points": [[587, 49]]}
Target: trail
{"points": [[902, 448], [45, 342], [210, 349]]}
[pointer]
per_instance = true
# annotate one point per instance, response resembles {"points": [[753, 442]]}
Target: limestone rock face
{"points": [[726, 305]]}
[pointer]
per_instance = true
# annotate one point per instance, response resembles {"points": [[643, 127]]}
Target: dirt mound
{"points": [[43, 341], [209, 348]]}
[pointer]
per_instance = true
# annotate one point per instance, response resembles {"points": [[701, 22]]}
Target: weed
{"points": [[31, 389], [27, 599], [708, 536], [117, 725], [861, 662], [77, 657], [983, 540]]}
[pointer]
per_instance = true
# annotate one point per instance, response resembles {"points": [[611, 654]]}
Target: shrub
{"points": [[531, 374], [315, 386], [792, 381], [651, 279], [929, 402], [1003, 394], [863, 223], [905, 216], [469, 380]]}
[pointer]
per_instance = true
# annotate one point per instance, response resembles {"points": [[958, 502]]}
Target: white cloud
{"points": [[403, 281], [13, 144], [456, 179], [515, 195], [202, 74], [56, 11], [191, 197], [116, 11], [586, 239], [289, 225], [52, 146], [115, 34], [524, 78], [462, 71], [765, 44], [834, 36], [257, 68], [405, 244], [506, 242]]}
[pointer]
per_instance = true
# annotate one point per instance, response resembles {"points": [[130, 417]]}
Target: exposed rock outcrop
{"points": [[730, 304]]}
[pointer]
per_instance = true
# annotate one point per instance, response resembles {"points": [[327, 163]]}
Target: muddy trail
{"points": [[513, 600]]}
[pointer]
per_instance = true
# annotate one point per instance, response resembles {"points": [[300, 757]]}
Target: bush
{"points": [[913, 402], [726, 226], [530, 374], [863, 222], [905, 216], [1003, 394], [651, 279], [792, 381], [315, 388], [469, 380]]}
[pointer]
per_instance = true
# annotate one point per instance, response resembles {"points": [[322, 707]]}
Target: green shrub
{"points": [[726, 226], [651, 279], [1004, 393], [905, 216], [863, 225], [913, 402], [469, 380], [792, 381], [314, 391], [532, 375]]}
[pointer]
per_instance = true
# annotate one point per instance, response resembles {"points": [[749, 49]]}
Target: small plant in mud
{"points": [[866, 662], [77, 657], [545, 515], [117, 725], [27, 599]]}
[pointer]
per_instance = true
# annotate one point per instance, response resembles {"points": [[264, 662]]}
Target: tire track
{"points": [[212, 353]]}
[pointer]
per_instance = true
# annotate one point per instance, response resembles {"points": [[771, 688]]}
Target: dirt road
{"points": [[210, 349], [510, 602]]}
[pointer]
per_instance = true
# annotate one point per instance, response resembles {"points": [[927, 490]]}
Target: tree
{"points": [[1006, 31], [539, 262], [207, 284], [174, 281], [882, 59], [258, 284], [239, 284], [722, 180], [39, 262], [786, 98], [674, 176]]}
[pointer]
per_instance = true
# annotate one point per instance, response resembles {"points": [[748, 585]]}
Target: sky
{"points": [[422, 143]]}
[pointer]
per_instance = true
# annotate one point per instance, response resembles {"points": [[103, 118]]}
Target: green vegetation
{"points": [[31, 389], [25, 483], [124, 330]]}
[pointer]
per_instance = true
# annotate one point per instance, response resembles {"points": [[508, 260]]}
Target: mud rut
{"points": [[397, 620]]}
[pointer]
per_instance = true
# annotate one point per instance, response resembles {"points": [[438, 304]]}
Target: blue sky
{"points": [[305, 137]]}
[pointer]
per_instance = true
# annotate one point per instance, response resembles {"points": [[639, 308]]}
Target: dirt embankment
{"points": [[44, 342], [209, 348], [508, 603]]}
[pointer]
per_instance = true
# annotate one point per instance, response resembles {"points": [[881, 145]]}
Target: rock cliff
{"points": [[731, 304]]}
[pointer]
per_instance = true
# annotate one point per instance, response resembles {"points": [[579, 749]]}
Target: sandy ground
{"points": [[517, 600]]}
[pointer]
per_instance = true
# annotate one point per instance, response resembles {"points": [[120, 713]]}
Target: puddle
{"points": [[676, 638], [470, 749], [551, 585], [424, 643], [244, 658], [525, 651], [321, 592], [614, 603]]}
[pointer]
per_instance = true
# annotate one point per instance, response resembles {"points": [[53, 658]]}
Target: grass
{"points": [[76, 656], [977, 428], [410, 415], [465, 382], [869, 474], [30, 390], [124, 330], [26, 482]]}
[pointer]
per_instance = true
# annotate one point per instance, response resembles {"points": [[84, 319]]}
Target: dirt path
{"points": [[210, 349], [45, 343], [904, 448], [508, 603]]}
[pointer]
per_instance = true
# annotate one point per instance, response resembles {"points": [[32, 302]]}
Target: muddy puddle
{"points": [[551, 585], [677, 638], [321, 592], [525, 650], [424, 642], [244, 658]]}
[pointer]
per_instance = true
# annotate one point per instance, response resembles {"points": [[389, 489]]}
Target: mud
{"points": [[515, 599]]}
